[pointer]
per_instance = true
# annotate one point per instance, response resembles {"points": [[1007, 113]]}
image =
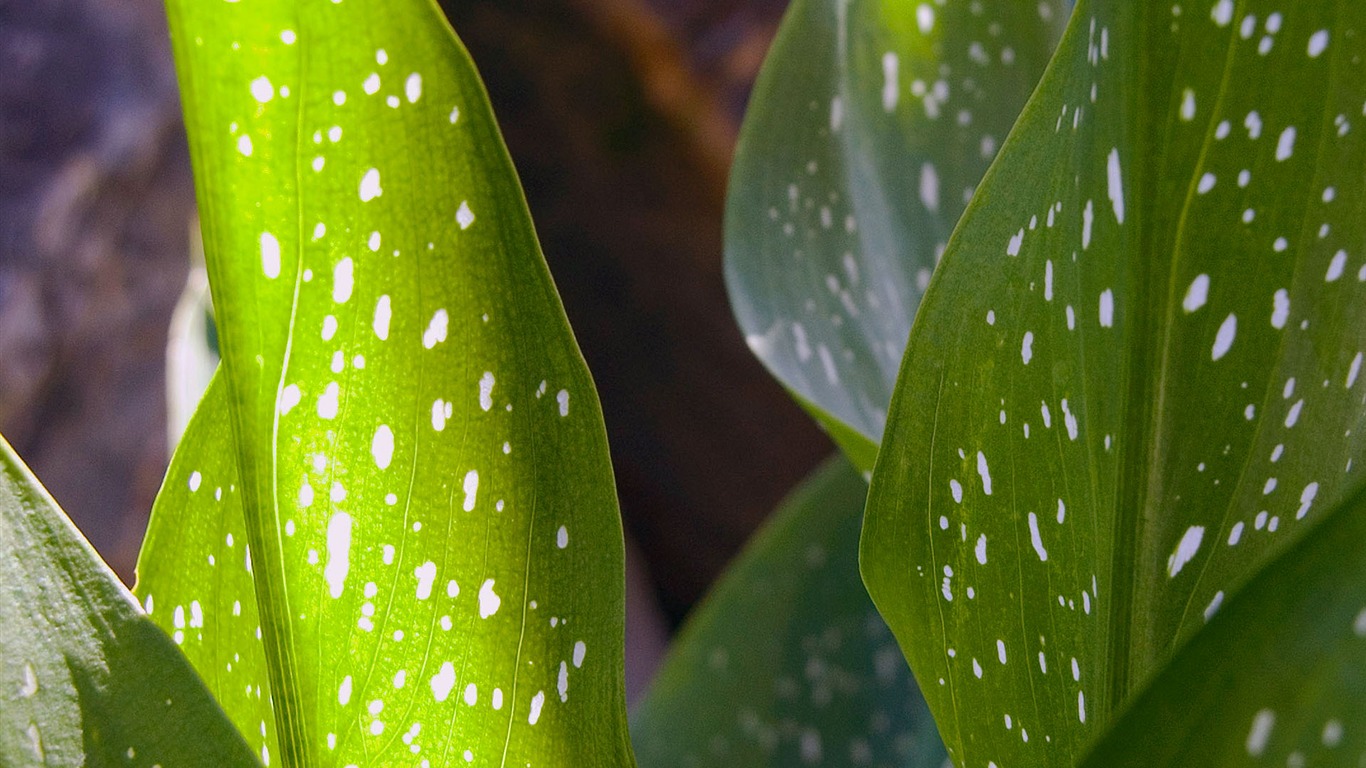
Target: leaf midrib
{"points": [[268, 571]]}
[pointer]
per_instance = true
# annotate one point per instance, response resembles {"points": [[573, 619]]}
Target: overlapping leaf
{"points": [[85, 679], [1136, 375], [1291, 692], [787, 663], [870, 127], [195, 575], [419, 456]]}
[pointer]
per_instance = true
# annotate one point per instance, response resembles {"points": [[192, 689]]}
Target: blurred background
{"points": [[621, 116]]}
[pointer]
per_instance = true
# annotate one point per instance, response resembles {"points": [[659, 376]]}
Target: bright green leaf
{"points": [[787, 662], [869, 128], [421, 464], [1135, 375], [195, 574], [85, 679], [1277, 678]]}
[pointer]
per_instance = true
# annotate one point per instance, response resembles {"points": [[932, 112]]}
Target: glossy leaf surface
{"points": [[420, 459], [85, 679], [1135, 376], [1278, 677], [869, 128], [787, 662]]}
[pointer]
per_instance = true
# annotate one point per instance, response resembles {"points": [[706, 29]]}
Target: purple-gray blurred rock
{"points": [[95, 194]]}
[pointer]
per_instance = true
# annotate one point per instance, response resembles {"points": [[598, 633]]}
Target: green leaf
{"points": [[85, 679], [1278, 677], [1135, 374], [787, 662], [420, 459], [870, 126], [195, 575]]}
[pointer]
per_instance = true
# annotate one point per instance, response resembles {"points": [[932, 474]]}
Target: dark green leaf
{"points": [[85, 679], [1135, 375], [420, 460], [869, 128], [1277, 678], [787, 662]]}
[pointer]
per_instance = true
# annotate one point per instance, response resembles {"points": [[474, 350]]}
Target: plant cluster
{"points": [[1077, 291]]}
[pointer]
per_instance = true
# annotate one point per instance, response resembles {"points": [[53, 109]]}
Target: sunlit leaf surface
{"points": [[1277, 678], [870, 127], [1135, 376], [195, 573], [420, 463], [787, 663], [85, 679]]}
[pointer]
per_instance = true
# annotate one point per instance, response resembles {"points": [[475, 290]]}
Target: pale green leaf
{"points": [[1278, 677], [85, 679], [191, 345], [870, 127], [787, 662], [420, 460], [1135, 375]]}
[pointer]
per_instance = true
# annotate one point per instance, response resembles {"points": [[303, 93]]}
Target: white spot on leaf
{"points": [[329, 402], [436, 329], [1116, 184], [443, 681], [426, 576], [486, 391], [1318, 42], [343, 280], [1185, 549], [1260, 733], [537, 702], [488, 600], [1285, 146], [382, 447], [1197, 294], [262, 90], [383, 315], [471, 489], [369, 186], [338, 553], [1223, 340], [985, 472], [270, 255]]}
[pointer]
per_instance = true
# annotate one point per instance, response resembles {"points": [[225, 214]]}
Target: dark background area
{"points": [[621, 116]]}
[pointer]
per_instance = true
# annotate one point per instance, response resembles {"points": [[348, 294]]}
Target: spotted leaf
{"points": [[85, 678], [195, 574], [1134, 378], [419, 457], [870, 127], [808, 672], [1278, 677]]}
